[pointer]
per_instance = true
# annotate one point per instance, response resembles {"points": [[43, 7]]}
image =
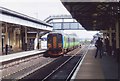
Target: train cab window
{"points": [[59, 37]]}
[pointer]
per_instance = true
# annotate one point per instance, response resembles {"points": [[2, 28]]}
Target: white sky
{"points": [[42, 9], [36, 8]]}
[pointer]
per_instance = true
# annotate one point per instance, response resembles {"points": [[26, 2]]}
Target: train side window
{"points": [[68, 39], [73, 39]]}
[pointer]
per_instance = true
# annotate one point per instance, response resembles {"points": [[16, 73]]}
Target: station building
{"points": [[18, 32]]}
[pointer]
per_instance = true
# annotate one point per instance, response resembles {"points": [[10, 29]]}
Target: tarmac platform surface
{"points": [[98, 68]]}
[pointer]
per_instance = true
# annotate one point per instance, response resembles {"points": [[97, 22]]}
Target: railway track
{"points": [[62, 68], [24, 67]]}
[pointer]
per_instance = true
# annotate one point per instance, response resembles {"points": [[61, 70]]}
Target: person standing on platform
{"points": [[99, 45], [107, 46]]}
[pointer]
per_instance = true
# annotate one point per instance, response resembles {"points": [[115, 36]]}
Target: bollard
{"points": [[6, 49]]}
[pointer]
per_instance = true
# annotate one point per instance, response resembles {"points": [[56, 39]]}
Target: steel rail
{"points": [[61, 65], [75, 69]]}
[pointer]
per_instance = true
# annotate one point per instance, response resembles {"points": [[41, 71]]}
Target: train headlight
{"points": [[49, 45], [59, 45]]}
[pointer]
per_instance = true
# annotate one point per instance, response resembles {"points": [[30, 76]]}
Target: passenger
{"points": [[107, 46], [99, 46]]}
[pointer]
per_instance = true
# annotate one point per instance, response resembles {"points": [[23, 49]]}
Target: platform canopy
{"points": [[94, 14], [13, 17]]}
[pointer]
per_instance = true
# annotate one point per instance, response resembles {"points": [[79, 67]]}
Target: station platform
{"points": [[97, 68], [18, 55]]}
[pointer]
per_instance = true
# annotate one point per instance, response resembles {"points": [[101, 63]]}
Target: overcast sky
{"points": [[36, 8], [42, 9]]}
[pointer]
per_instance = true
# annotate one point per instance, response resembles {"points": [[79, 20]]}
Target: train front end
{"points": [[54, 44]]}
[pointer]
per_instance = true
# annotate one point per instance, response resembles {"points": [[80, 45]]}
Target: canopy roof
{"points": [[94, 15]]}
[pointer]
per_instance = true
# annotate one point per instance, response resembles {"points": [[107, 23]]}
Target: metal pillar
{"points": [[6, 39], [117, 41], [14, 38], [37, 36], [117, 36], [0, 39], [118, 45], [110, 40], [110, 36], [119, 48], [25, 38], [22, 37]]}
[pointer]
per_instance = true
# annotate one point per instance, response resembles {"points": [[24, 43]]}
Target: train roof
{"points": [[70, 35], [56, 33]]}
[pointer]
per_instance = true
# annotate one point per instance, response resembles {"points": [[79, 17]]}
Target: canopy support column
{"points": [[0, 39], [37, 36], [117, 41], [110, 40], [25, 38], [6, 39]]}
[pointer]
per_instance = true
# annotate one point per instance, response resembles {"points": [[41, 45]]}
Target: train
{"points": [[58, 43]]}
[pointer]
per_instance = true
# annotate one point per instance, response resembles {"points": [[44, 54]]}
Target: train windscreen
{"points": [[59, 38], [49, 38]]}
